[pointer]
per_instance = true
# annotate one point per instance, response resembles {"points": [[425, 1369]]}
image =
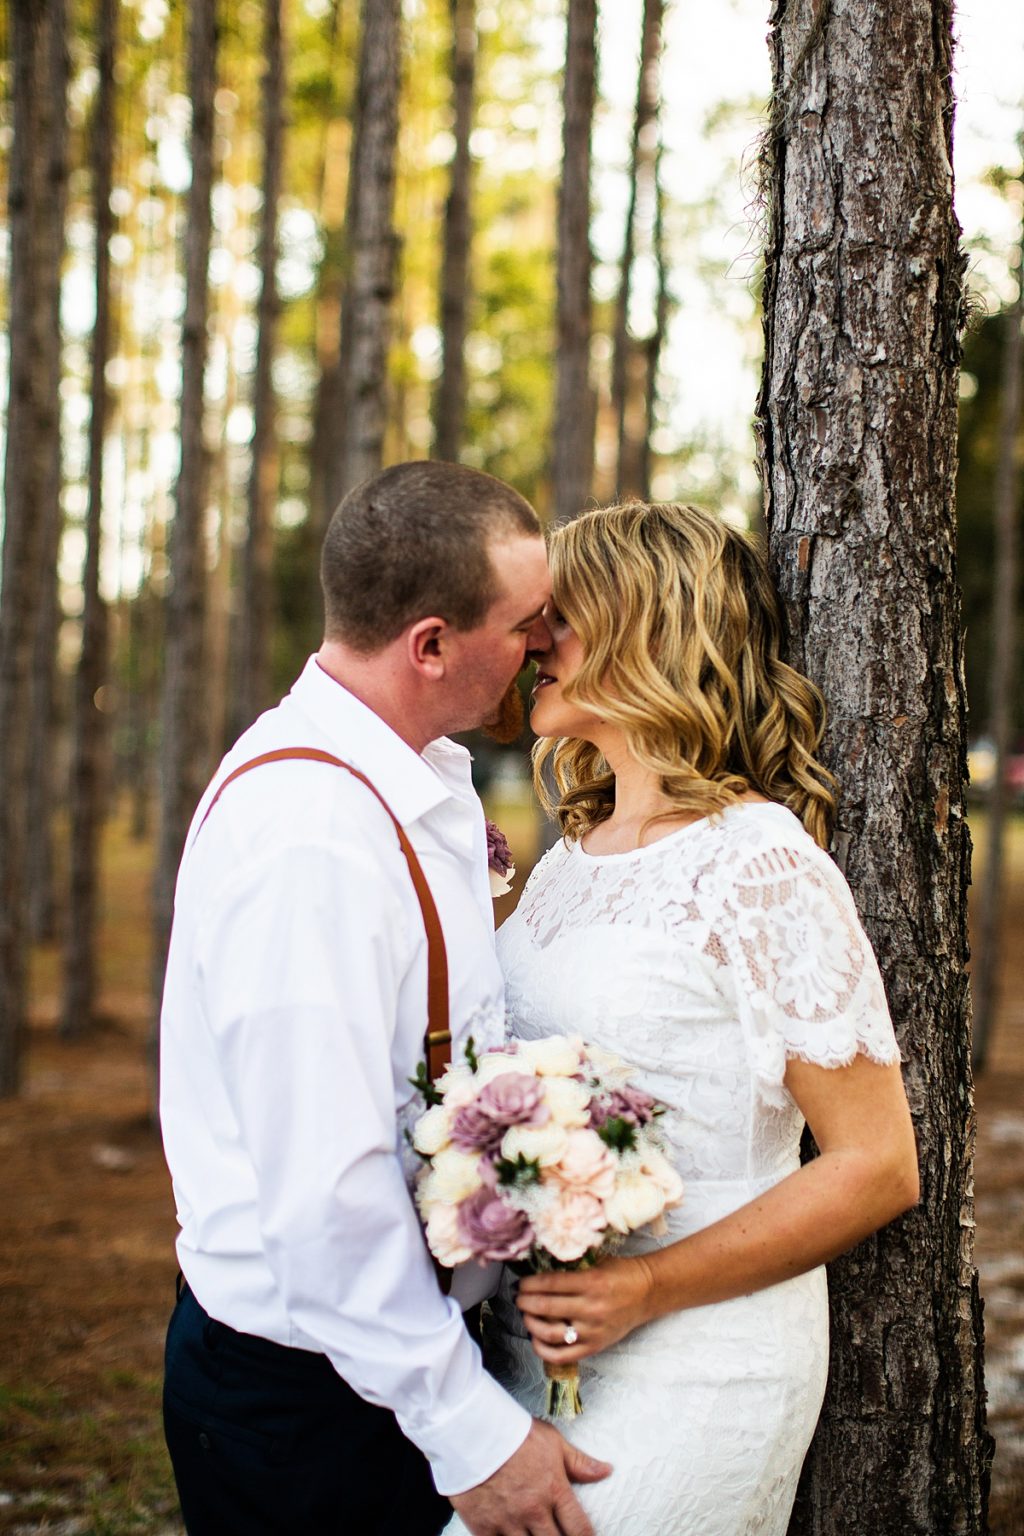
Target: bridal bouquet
{"points": [[540, 1153]]}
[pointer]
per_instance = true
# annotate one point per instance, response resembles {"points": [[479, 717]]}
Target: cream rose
{"points": [[555, 1056], [569, 1226], [587, 1165], [544, 1144], [635, 1200], [458, 1086], [452, 1177], [433, 1130], [443, 1237], [495, 1064], [657, 1165], [568, 1101]]}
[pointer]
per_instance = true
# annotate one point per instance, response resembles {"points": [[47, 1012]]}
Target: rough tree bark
{"points": [[86, 780], [51, 127], [631, 452], [573, 446], [1005, 514], [372, 246], [37, 32], [857, 418], [450, 398], [252, 690], [182, 759]]}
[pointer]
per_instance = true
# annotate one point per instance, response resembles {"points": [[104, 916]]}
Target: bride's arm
{"points": [[866, 1175]]}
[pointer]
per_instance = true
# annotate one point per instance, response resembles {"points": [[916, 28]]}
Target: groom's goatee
{"points": [[507, 721]]}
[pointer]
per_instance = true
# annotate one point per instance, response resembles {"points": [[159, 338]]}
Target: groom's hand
{"points": [[530, 1494]]}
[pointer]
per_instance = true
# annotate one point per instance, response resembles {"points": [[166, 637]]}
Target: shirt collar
{"points": [[412, 783]]}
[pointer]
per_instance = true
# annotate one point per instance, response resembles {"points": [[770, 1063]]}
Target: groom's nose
{"points": [[539, 639]]}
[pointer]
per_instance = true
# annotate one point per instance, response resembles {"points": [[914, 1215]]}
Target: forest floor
{"points": [[87, 1263]]}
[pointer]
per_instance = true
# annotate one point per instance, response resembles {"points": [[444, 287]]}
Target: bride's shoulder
{"points": [[762, 839]]}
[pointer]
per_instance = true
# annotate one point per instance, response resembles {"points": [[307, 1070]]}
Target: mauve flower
{"points": [[570, 1225], [474, 1130], [499, 854], [515, 1098], [629, 1104], [492, 1229]]}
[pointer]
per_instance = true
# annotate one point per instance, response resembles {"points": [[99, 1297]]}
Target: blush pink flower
{"points": [[586, 1166], [570, 1225], [492, 1229]]}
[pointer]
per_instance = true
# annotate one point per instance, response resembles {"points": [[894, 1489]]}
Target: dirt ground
{"points": [[87, 1264]]}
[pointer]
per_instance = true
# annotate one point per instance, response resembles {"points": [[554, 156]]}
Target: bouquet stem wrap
{"points": [[564, 1401]]}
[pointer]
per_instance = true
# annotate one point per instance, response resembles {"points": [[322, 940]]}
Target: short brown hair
{"points": [[413, 541]]}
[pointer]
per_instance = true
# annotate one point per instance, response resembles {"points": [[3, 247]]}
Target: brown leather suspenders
{"points": [[437, 1037]]}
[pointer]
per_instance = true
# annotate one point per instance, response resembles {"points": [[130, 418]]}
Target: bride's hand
{"points": [[601, 1305]]}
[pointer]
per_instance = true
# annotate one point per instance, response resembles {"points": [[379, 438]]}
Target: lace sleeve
{"points": [[807, 982]]}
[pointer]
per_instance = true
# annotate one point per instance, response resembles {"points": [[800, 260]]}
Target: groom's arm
{"points": [[302, 956]]}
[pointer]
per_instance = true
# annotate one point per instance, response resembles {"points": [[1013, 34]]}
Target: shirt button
{"points": [[204, 1440]]}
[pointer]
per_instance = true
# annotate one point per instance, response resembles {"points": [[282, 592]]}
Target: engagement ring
{"points": [[570, 1335]]}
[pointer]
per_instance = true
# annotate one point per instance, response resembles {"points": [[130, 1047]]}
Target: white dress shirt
{"points": [[293, 1017]]}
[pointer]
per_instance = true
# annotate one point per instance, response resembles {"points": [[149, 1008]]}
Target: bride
{"points": [[691, 922]]}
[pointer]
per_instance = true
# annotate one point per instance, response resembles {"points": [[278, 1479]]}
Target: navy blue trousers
{"points": [[269, 1441]]}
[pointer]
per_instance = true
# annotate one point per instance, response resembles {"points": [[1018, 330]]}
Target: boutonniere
{"points": [[499, 861]]}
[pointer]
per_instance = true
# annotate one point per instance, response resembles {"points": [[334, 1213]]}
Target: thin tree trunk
{"points": [[253, 686], [857, 417], [32, 421], [183, 734], [656, 341], [643, 162], [573, 448], [372, 248], [52, 129], [450, 399], [86, 787], [1006, 511]]}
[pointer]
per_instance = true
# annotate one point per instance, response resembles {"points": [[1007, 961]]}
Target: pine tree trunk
{"points": [[631, 452], [51, 127], [37, 33], [372, 248], [857, 417], [1005, 639], [450, 400], [86, 783], [252, 692], [575, 404], [183, 734]]}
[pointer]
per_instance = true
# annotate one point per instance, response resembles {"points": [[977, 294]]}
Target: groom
{"points": [[317, 1381]]}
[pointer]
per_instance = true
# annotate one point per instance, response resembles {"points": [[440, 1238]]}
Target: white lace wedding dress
{"points": [[706, 959]]}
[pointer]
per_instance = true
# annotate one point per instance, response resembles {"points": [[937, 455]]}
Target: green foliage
{"points": [[520, 1171], [618, 1134]]}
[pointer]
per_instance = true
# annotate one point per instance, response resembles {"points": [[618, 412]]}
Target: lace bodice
{"points": [[707, 959]]}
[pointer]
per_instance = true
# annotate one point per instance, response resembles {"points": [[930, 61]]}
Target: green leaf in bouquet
{"points": [[421, 1082], [471, 1057], [618, 1134], [519, 1171]]}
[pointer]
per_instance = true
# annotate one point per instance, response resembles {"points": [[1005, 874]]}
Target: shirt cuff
{"points": [[471, 1444]]}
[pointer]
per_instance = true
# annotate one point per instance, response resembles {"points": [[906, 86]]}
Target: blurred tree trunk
{"points": [[1006, 507], [372, 246], [37, 38], [252, 689], [655, 342], [575, 404], [51, 126], [450, 399], [632, 360], [183, 733], [857, 418], [86, 781]]}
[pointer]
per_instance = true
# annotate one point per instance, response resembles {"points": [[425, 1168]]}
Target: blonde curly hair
{"points": [[681, 632]]}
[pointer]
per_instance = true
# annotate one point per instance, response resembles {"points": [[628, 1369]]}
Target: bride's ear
{"points": [[427, 648]]}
